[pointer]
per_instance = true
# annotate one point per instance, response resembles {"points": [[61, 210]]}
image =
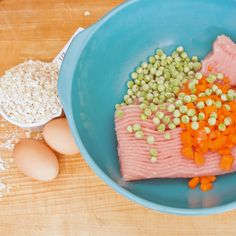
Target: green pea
{"points": [[143, 106], [180, 49], [193, 97], [187, 98], [208, 92], [167, 136], [195, 125], [176, 89], [171, 100], [184, 55], [135, 88], [161, 128], [134, 75], [130, 92], [220, 76], [207, 130], [161, 88], [218, 92], [209, 102], [149, 96], [153, 159], [227, 107], [153, 71], [183, 109], [223, 97], [129, 129], [150, 139], [218, 104], [191, 112], [136, 127], [214, 114], [119, 113], [171, 108], [197, 66], [166, 120], [139, 134], [212, 121], [144, 65], [222, 127], [147, 78], [143, 117], [162, 97], [153, 152], [200, 105], [162, 107], [181, 96], [152, 60], [194, 118], [171, 126], [198, 75], [147, 111], [194, 58], [159, 52], [155, 100], [227, 121], [159, 73], [185, 119], [214, 88], [176, 121], [153, 107], [178, 103], [201, 116], [160, 115], [177, 113], [156, 121]]}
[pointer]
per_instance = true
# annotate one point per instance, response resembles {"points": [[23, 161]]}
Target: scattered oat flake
{"points": [[87, 13]]}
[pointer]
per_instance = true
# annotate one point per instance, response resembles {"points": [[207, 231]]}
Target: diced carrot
{"points": [[190, 105], [205, 179], [197, 143], [212, 178], [226, 162], [232, 138], [232, 104], [203, 146], [229, 145], [186, 139], [208, 110], [209, 68], [193, 182], [206, 186], [224, 151], [219, 143], [201, 88], [212, 135], [187, 152], [199, 159]]}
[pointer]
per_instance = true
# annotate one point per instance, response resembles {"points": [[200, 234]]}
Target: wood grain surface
{"points": [[77, 202]]}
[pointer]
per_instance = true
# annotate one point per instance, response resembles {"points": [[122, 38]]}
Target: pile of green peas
{"points": [[157, 82]]}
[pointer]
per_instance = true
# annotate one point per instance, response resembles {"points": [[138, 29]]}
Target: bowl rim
{"points": [[108, 180]]}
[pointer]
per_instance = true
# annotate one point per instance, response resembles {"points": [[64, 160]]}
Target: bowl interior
{"points": [[124, 40]]}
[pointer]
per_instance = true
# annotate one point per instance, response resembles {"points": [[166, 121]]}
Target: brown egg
{"points": [[36, 160], [58, 136]]}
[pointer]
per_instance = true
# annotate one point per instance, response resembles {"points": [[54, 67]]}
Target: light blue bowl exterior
{"points": [[93, 79]]}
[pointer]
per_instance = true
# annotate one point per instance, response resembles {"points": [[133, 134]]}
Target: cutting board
{"points": [[77, 202]]}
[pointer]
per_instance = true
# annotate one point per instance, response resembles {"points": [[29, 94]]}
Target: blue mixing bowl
{"points": [[93, 79]]}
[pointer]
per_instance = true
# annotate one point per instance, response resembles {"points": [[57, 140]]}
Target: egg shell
{"points": [[58, 136], [36, 160]]}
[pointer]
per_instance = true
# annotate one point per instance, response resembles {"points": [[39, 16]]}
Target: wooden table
{"points": [[77, 202]]}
